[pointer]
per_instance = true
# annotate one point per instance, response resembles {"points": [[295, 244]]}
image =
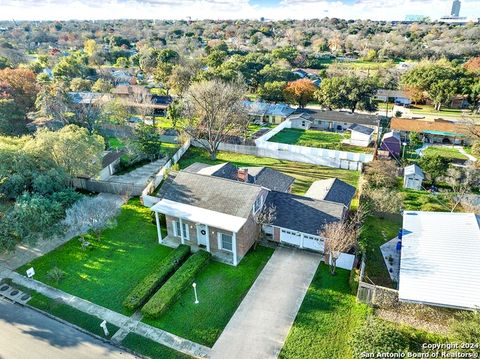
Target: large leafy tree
{"points": [[215, 111], [350, 92], [273, 91], [20, 86], [148, 141], [300, 92], [72, 148]]}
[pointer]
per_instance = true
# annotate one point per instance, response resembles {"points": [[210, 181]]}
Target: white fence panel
{"points": [[345, 261]]}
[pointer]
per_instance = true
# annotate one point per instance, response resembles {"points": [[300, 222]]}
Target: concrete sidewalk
{"points": [[123, 322], [260, 325]]}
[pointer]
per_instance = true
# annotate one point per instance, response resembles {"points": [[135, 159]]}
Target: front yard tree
{"points": [[341, 236], [299, 92], [91, 214], [215, 111]]}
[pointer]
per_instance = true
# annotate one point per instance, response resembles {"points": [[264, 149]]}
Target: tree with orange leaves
{"points": [[20, 86], [300, 92]]}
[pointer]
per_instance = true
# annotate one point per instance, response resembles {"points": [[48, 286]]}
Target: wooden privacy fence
{"points": [[377, 296], [100, 186]]}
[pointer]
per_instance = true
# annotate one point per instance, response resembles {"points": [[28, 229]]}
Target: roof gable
{"points": [[333, 190]]}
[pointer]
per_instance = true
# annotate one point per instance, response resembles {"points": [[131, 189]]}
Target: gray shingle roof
{"points": [[333, 190], [262, 176], [303, 214], [269, 178], [213, 193], [340, 116], [362, 129], [260, 108]]}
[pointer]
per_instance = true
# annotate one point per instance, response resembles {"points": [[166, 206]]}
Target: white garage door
{"points": [[290, 237], [313, 242]]}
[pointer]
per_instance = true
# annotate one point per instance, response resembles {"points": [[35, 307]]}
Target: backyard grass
{"points": [[115, 143], [254, 128], [414, 200], [447, 152], [375, 232], [325, 322], [221, 288], [305, 174], [428, 110], [149, 348], [319, 139], [109, 269]]}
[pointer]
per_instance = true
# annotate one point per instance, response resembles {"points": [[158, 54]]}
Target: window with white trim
{"points": [[225, 241], [178, 233], [257, 205]]}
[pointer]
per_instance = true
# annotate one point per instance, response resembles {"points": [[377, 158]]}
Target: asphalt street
{"points": [[25, 333]]}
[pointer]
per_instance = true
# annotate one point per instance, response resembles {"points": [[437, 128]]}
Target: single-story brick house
{"points": [[265, 112], [215, 208], [335, 121]]}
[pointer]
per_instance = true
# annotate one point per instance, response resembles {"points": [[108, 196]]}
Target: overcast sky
{"points": [[229, 9]]}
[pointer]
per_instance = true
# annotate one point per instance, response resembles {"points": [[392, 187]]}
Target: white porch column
{"points": [[159, 228], [207, 228], [234, 247], [301, 240], [182, 236]]}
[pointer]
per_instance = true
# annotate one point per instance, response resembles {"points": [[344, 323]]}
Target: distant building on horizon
{"points": [[416, 18], [457, 4]]}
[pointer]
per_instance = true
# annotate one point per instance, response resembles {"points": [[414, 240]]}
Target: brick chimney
{"points": [[242, 174]]}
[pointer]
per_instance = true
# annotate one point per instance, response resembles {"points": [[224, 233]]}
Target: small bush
{"points": [[55, 274], [177, 283], [144, 290]]}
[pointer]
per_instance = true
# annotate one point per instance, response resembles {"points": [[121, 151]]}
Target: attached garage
{"points": [[301, 240], [290, 237]]}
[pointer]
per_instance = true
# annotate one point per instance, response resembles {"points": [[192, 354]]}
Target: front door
{"points": [[202, 235]]}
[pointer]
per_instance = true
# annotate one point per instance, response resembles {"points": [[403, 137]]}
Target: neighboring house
{"points": [[439, 262], [337, 121], [396, 96], [434, 131], [214, 207], [332, 189], [457, 101], [392, 143], [86, 98], [262, 176], [123, 77], [137, 96], [110, 161], [300, 121], [413, 177], [360, 135], [262, 112]]}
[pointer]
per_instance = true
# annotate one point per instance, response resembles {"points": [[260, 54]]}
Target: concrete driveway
{"points": [[28, 334], [261, 323]]}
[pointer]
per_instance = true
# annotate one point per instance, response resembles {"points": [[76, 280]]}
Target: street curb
{"points": [[74, 326]]}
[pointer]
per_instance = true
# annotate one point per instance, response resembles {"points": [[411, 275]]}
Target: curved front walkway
{"points": [[261, 323]]}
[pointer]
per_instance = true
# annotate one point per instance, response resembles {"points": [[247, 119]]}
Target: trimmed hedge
{"points": [[149, 285], [177, 283]]}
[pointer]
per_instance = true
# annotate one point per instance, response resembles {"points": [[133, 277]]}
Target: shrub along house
{"points": [[215, 208]]}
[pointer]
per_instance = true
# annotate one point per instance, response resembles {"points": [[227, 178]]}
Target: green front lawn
{"points": [[447, 152], [375, 232], [221, 288], [325, 322], [149, 348], [305, 174], [107, 271], [319, 139]]}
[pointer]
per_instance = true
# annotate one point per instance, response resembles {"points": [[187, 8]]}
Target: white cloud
{"points": [[228, 9]]}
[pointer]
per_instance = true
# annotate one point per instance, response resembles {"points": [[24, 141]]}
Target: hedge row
{"points": [[149, 285], [178, 282]]}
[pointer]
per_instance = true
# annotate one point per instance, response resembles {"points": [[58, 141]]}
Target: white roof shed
{"points": [[440, 259]]}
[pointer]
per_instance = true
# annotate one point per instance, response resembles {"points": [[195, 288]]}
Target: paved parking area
{"points": [[261, 323]]}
